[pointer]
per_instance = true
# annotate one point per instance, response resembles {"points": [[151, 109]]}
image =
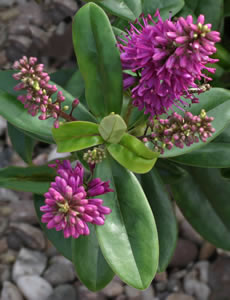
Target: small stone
{"points": [[3, 58], [29, 263], [10, 292], [206, 251], [22, 40], [65, 291], [31, 236], [174, 285], [186, 252], [196, 288], [3, 225], [3, 123], [178, 274], [60, 273], [161, 286], [8, 258], [55, 155], [4, 272], [84, 293], [121, 297], [6, 3], [189, 233], [24, 211], [51, 250], [14, 242], [113, 289], [203, 270], [148, 294], [8, 196], [32, 13], [9, 14], [179, 296], [223, 252], [161, 276], [132, 293], [3, 245], [34, 287], [219, 278], [179, 216]]}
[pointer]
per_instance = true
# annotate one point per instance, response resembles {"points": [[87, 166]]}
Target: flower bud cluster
{"points": [[39, 92], [179, 131], [94, 156]]}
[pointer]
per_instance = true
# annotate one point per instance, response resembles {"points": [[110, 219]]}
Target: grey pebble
{"points": [[29, 263], [10, 292], [34, 287]]}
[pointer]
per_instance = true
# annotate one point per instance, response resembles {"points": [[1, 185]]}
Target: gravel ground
{"points": [[30, 267]]}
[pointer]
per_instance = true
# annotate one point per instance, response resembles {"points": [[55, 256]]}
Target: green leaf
{"points": [[76, 86], [162, 209], [30, 179], [203, 197], [61, 77], [213, 11], [220, 111], [125, 9], [133, 154], [214, 155], [169, 172], [98, 59], [14, 111], [74, 136], [90, 265], [128, 239], [56, 237], [225, 173], [22, 143], [226, 8], [166, 7]]}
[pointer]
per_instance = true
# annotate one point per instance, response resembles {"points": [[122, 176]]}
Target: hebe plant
{"points": [[137, 115]]}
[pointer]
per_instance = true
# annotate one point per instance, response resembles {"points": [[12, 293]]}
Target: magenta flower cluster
{"points": [[39, 91], [179, 131], [70, 204], [169, 57]]}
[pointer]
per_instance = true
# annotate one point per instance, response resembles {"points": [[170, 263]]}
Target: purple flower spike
{"points": [[169, 57], [69, 205]]}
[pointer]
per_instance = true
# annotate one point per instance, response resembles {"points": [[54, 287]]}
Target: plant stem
{"points": [[61, 113], [128, 111]]}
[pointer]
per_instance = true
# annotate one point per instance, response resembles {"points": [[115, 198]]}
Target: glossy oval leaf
{"points": [[133, 154], [166, 7], [213, 11], [64, 246], [30, 179], [203, 197], [14, 111], [90, 265], [98, 59], [128, 239], [221, 113], [213, 155], [125, 9], [74, 136], [22, 143], [163, 212], [169, 171]]}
